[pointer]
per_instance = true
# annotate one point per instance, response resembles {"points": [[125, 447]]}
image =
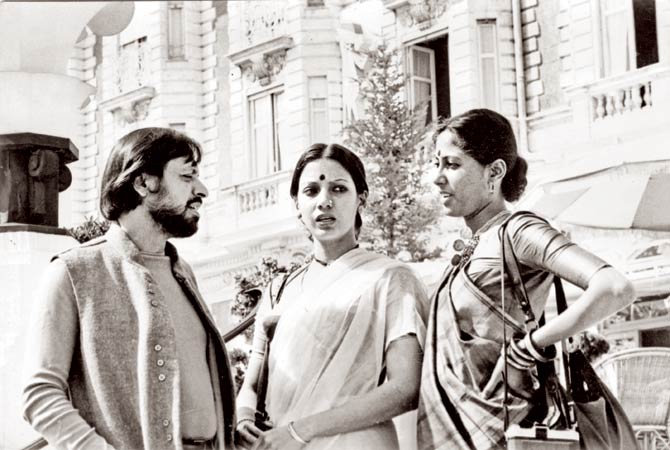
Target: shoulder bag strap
{"points": [[510, 266], [262, 384]]}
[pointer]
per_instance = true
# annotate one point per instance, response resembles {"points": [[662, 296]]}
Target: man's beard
{"points": [[174, 221]]}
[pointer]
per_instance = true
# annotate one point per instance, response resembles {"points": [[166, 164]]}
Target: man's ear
{"points": [[145, 184]]}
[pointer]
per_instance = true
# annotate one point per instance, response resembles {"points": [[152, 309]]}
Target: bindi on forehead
{"points": [[322, 177]]}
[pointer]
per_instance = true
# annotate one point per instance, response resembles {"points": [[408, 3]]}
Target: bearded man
{"points": [[124, 353]]}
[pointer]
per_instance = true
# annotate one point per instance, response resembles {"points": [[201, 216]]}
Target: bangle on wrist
{"points": [[519, 358], [245, 419], [546, 355], [295, 435]]}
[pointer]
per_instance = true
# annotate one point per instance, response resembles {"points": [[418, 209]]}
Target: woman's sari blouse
{"points": [[465, 332], [542, 251], [331, 340]]}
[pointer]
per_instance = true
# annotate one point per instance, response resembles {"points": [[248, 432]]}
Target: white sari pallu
{"points": [[330, 343]]}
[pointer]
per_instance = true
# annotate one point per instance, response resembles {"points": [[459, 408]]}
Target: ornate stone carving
{"points": [[135, 110], [263, 21], [132, 106], [420, 13], [263, 68], [263, 62]]}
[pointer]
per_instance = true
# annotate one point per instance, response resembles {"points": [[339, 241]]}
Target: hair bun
{"points": [[515, 181]]}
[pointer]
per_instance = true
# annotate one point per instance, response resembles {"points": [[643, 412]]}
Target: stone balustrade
{"points": [[623, 94], [258, 194]]}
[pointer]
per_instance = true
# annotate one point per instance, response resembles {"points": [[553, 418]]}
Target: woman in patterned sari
{"points": [[461, 398], [345, 357]]}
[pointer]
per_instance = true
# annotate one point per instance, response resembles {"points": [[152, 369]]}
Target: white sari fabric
{"points": [[330, 342]]}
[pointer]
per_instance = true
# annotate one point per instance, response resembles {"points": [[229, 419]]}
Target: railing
{"points": [[623, 94], [259, 194]]}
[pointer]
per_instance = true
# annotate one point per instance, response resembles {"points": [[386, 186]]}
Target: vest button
{"points": [[169, 437], [154, 303], [158, 347], [160, 363], [161, 377], [166, 423]]}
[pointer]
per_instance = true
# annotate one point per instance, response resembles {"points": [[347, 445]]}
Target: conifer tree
{"points": [[396, 147]]}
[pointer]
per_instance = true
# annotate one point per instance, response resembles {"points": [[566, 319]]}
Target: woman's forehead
{"points": [[324, 170], [445, 146]]}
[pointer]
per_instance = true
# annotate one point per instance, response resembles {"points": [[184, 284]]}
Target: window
{"points": [[268, 132], [629, 35], [133, 71], [428, 76], [176, 30], [318, 109], [422, 81], [488, 64]]}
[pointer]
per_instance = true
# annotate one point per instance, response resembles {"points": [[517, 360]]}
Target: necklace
{"points": [[327, 263], [467, 248]]}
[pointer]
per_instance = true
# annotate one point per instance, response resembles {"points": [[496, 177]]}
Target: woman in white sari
{"points": [[346, 352]]}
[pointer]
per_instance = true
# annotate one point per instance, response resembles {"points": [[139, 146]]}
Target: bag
{"points": [[600, 419], [602, 422]]}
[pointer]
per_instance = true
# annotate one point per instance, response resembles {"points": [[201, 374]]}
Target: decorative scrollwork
{"points": [[421, 13], [263, 68]]}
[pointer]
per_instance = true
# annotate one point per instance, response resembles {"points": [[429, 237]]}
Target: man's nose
{"points": [[200, 189]]}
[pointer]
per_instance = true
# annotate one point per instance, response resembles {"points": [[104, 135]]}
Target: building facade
{"points": [[586, 84]]}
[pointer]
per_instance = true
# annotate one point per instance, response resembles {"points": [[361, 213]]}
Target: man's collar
{"points": [[120, 240]]}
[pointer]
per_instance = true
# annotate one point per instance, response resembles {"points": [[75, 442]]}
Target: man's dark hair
{"points": [[146, 150]]}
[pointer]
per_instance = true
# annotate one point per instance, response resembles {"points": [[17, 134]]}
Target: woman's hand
{"points": [[277, 439], [247, 431], [522, 383]]}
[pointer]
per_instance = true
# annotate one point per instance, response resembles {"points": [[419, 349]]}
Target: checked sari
{"points": [[465, 333]]}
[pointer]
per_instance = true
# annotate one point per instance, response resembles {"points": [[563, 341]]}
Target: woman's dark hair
{"points": [[486, 136], [342, 155], [146, 150]]}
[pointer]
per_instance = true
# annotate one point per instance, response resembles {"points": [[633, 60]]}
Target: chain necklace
{"points": [[467, 248]]}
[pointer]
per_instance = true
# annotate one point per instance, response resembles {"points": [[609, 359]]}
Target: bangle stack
{"points": [[524, 357], [295, 435], [547, 353], [245, 419]]}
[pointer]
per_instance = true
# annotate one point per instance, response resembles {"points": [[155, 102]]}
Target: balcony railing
{"points": [[624, 94], [253, 204], [257, 194]]}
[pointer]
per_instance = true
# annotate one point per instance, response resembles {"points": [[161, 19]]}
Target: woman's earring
{"points": [[491, 187]]}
